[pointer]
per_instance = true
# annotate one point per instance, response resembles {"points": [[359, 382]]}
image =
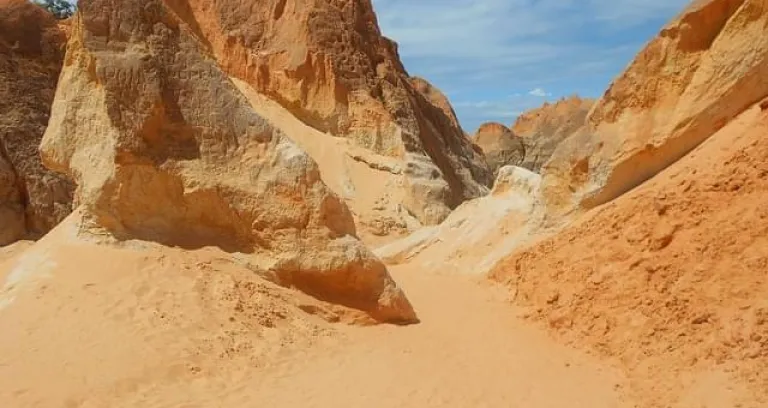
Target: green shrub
{"points": [[61, 9]]}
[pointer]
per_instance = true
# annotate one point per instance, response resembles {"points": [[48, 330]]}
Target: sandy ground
{"points": [[9, 253], [469, 351], [154, 332]]}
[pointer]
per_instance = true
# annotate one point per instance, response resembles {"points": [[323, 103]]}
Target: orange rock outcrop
{"points": [[33, 199], [542, 129], [501, 146], [165, 148], [699, 73]]}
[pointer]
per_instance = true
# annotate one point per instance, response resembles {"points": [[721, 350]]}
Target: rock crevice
{"points": [[33, 199]]}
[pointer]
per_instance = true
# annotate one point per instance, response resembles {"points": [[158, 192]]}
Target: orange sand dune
{"points": [[174, 328]]}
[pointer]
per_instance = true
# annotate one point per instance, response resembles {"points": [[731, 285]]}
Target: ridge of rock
{"points": [[543, 128], [480, 233], [165, 148], [700, 72], [436, 97]]}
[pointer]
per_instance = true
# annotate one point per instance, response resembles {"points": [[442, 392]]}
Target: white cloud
{"points": [[539, 92]]}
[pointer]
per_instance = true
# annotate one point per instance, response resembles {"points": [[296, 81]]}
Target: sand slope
{"points": [[670, 279], [87, 325], [370, 184]]}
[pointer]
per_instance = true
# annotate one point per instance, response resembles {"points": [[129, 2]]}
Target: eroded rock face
{"points": [[703, 69], [32, 199], [542, 129], [436, 97], [165, 148], [327, 62], [11, 207], [500, 145]]}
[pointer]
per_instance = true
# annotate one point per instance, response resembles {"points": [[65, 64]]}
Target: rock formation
{"points": [[328, 64], [500, 146], [542, 129], [165, 148], [436, 97], [702, 70], [32, 199]]}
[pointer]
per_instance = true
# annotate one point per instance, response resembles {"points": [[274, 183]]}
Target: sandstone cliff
{"points": [[370, 184], [542, 129], [32, 199], [500, 145], [703, 69], [165, 148], [436, 97], [327, 62]]}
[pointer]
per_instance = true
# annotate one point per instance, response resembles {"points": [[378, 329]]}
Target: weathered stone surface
{"points": [[11, 207], [370, 184], [500, 145], [327, 62], [32, 199], [542, 129], [703, 69], [165, 148], [436, 97]]}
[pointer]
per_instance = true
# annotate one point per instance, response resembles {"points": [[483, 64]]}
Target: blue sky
{"points": [[497, 58]]}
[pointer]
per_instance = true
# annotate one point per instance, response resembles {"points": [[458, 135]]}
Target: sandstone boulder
{"points": [[165, 148], [500, 145], [32, 199], [328, 63], [542, 129], [701, 71]]}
